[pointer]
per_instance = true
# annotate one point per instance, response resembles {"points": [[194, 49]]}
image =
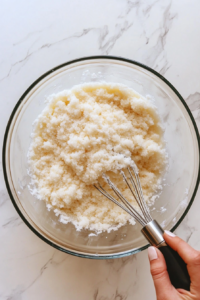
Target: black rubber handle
{"points": [[177, 268]]}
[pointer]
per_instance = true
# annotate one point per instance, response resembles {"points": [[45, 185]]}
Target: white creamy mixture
{"points": [[86, 131]]}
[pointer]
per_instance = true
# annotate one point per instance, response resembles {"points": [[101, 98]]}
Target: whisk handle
{"points": [[176, 267]]}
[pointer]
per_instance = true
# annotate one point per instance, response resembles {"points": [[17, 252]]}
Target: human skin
{"points": [[164, 289]]}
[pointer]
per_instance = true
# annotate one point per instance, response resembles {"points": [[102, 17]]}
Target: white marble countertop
{"points": [[35, 37]]}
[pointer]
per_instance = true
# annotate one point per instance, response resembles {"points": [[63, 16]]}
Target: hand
{"points": [[164, 289]]}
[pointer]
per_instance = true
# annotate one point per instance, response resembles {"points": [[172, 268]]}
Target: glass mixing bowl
{"points": [[182, 143]]}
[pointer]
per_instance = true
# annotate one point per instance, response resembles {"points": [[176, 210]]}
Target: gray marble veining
{"points": [[35, 37]]}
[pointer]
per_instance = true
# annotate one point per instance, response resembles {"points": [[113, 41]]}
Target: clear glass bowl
{"points": [[182, 142]]}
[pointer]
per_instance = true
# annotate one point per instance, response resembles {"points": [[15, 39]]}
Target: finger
{"points": [[162, 283], [183, 249], [188, 254]]}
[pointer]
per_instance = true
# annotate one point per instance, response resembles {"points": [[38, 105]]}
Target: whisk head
{"points": [[133, 183]]}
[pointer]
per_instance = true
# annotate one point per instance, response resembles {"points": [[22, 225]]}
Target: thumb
{"points": [[189, 255], [162, 283]]}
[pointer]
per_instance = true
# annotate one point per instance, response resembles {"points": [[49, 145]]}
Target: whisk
{"points": [[152, 231]]}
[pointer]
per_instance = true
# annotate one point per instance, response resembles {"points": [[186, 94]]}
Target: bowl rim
{"points": [[104, 57]]}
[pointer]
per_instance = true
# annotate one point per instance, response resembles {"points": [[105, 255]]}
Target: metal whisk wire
{"points": [[136, 191], [152, 231]]}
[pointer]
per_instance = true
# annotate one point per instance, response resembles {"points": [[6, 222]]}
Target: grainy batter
{"points": [[84, 132]]}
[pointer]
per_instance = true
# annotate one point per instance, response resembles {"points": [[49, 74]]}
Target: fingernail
{"points": [[152, 253], [170, 233]]}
